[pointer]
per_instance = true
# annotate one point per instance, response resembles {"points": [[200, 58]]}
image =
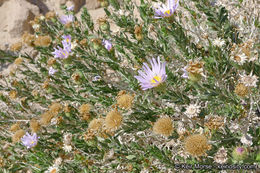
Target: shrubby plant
{"points": [[178, 84]]}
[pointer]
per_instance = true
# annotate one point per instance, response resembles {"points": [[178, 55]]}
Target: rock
{"points": [[15, 16], [41, 4], [54, 5], [2, 1], [92, 4]]}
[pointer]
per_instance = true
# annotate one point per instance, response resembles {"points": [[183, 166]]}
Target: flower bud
{"points": [[104, 3], [239, 153], [49, 90], [103, 24], [194, 77], [96, 44], [138, 32]]}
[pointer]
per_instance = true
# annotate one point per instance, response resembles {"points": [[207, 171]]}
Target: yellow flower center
{"points": [[156, 79], [32, 142], [167, 12], [68, 40], [63, 53], [53, 171]]}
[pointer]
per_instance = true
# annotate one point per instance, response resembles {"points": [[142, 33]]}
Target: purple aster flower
{"points": [[66, 42], [185, 74], [66, 19], [29, 140], [70, 8], [107, 44], [150, 78], [240, 150], [61, 53], [52, 71], [166, 11], [96, 78]]}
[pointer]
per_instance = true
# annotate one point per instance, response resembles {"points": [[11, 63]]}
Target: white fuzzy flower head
{"points": [[249, 80], [74, 44], [246, 139], [67, 138], [240, 58], [36, 26], [221, 156], [218, 42], [233, 127], [54, 121], [181, 129], [192, 110], [58, 161], [42, 17], [67, 148], [52, 169]]}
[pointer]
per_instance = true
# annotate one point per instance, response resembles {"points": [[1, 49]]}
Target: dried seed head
{"points": [[125, 101], [51, 62], [95, 125], [15, 83], [84, 109], [34, 125], [75, 77], [50, 15], [138, 29], [28, 39], [12, 71], [237, 58], [46, 118], [89, 135], [35, 93], [16, 46], [45, 84], [43, 41], [215, 122], [195, 67], [83, 42], [113, 120], [13, 94], [138, 32], [15, 127], [67, 108], [196, 145], [85, 116], [96, 41], [241, 90], [163, 126], [18, 135], [55, 108], [18, 61], [36, 20], [68, 25], [102, 20], [1, 162]]}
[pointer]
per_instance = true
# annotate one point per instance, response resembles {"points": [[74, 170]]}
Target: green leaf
{"points": [[130, 157]]}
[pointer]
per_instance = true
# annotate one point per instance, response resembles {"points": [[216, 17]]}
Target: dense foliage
{"points": [[82, 97]]}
